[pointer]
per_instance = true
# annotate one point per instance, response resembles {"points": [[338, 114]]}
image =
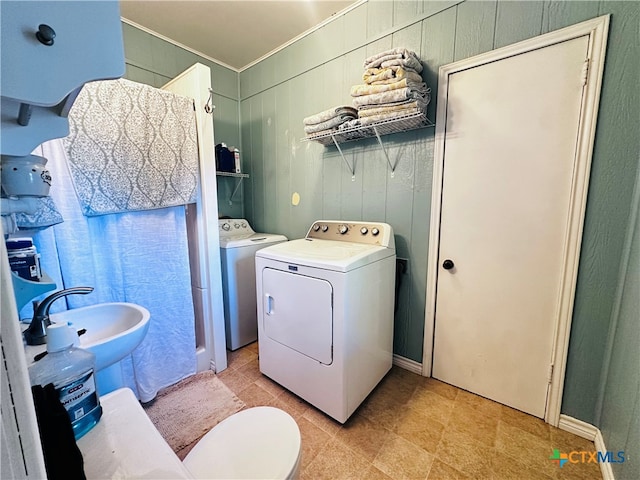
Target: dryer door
{"points": [[298, 313]]}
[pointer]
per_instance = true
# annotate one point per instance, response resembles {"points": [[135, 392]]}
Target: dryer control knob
{"points": [[324, 228], [226, 226], [375, 231], [343, 229], [364, 230]]}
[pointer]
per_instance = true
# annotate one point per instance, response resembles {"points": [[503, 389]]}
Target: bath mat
{"points": [[184, 412]]}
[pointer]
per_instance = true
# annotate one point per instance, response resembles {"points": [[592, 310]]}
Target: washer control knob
{"points": [[243, 225], [375, 231], [236, 225], [343, 229], [226, 227], [364, 230], [316, 227], [324, 228]]}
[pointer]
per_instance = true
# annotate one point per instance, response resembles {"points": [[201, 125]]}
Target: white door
{"points": [[298, 313], [509, 157]]}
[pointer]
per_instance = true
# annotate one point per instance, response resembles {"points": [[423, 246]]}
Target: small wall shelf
{"points": [[239, 176], [378, 129]]}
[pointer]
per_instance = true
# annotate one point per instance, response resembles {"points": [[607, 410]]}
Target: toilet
{"points": [[257, 443]]}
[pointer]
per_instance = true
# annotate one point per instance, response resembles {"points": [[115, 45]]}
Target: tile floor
{"points": [[412, 427]]}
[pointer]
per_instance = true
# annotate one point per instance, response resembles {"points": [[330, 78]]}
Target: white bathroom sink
{"points": [[113, 330]]}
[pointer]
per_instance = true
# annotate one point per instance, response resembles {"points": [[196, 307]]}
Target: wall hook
{"points": [[209, 106]]}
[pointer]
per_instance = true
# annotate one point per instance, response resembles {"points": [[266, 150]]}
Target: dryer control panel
{"points": [[372, 233]]}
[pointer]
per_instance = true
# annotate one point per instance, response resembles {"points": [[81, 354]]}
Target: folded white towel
{"points": [[398, 95], [329, 124], [329, 114], [394, 57]]}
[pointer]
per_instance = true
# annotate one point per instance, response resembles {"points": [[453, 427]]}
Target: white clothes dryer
{"points": [[325, 313], [238, 245]]}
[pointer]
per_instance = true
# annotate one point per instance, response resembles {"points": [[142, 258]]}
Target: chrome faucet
{"points": [[36, 334]]}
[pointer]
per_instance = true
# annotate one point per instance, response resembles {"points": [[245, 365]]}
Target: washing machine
{"points": [[238, 246], [325, 313]]}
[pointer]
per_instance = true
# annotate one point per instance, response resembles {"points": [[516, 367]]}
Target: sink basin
{"points": [[114, 330]]}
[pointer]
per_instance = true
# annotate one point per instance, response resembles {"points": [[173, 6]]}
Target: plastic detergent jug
{"points": [[71, 370]]}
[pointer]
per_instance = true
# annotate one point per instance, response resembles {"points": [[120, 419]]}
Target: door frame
{"points": [[597, 30]]}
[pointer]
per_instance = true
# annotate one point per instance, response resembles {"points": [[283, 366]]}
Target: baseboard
{"points": [[605, 467], [407, 364], [589, 432], [578, 427]]}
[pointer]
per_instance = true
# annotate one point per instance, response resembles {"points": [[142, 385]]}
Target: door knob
{"points": [[448, 264]]}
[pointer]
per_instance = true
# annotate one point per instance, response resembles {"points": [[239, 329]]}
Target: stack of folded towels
{"points": [[392, 88], [329, 121]]}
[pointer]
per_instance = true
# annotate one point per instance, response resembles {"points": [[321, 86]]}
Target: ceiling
{"points": [[234, 32]]}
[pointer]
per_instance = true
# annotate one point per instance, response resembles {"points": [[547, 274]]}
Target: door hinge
{"points": [[585, 71], [550, 373]]}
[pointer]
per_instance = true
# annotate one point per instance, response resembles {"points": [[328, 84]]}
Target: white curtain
{"points": [[138, 257]]}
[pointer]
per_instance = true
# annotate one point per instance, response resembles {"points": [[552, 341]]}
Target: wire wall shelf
{"points": [[405, 123]]}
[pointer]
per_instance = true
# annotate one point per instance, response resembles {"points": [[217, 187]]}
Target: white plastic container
{"points": [[71, 370]]}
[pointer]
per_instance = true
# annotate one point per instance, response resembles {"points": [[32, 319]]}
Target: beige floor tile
{"points": [[528, 423], [504, 467], [436, 386], [479, 404], [240, 357], [290, 403], [337, 462], [251, 370], [432, 405], [419, 429], [465, 454], [235, 381], [270, 386], [579, 471], [322, 421], [442, 471], [313, 440], [466, 419], [382, 407], [363, 436], [402, 460], [525, 447], [254, 396], [376, 474]]}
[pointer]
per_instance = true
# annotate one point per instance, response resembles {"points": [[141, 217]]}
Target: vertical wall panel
{"points": [[355, 28], [559, 13], [269, 157], [257, 163], [410, 38], [246, 158], [379, 17], [438, 41], [517, 21], [475, 28], [284, 142], [405, 10]]}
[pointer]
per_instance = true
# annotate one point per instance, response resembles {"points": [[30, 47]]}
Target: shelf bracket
{"points": [[235, 190], [384, 150], [351, 167]]}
